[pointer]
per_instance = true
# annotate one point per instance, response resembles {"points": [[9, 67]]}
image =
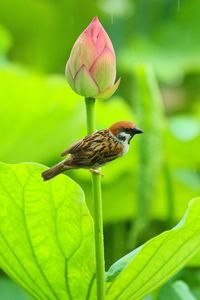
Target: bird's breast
{"points": [[125, 148]]}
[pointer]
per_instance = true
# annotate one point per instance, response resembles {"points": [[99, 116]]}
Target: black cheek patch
{"points": [[121, 138]]}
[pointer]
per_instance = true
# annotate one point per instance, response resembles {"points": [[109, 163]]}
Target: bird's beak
{"points": [[137, 130]]}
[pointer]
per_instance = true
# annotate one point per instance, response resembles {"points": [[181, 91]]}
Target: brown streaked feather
{"points": [[96, 137], [95, 150], [71, 148]]}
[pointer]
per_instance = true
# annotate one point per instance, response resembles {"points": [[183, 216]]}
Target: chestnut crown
{"points": [[124, 126]]}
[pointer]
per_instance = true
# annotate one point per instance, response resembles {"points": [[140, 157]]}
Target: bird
{"points": [[96, 149]]}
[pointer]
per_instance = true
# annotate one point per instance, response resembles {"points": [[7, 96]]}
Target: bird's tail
{"points": [[55, 170]]}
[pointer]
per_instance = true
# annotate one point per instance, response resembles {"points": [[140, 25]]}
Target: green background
{"points": [[157, 46]]}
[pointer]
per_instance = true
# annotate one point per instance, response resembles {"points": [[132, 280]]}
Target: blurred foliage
{"points": [[146, 101], [9, 290], [176, 291], [40, 116], [173, 45]]}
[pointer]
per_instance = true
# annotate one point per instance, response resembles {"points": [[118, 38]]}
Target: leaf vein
{"points": [[163, 265], [30, 242], [21, 265], [58, 241], [90, 286]]}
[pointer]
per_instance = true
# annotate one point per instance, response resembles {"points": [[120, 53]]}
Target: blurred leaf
{"points": [[5, 42], [45, 33], [178, 290], [185, 128], [118, 8], [46, 234], [183, 137], [192, 277], [146, 101], [189, 178], [36, 116], [166, 35], [10, 291], [195, 261], [157, 260]]}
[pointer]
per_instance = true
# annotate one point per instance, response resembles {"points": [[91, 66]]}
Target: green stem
{"points": [[98, 216]]}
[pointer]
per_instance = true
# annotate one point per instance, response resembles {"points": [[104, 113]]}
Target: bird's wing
{"points": [[96, 150], [108, 152], [70, 149], [84, 144]]}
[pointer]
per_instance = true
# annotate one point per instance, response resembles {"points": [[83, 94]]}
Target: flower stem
{"points": [[97, 204]]}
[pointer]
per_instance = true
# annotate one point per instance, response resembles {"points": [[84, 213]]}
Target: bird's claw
{"points": [[96, 171]]}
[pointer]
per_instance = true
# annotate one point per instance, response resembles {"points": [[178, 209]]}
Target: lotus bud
{"points": [[91, 68]]}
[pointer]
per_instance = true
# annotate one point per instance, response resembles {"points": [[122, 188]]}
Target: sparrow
{"points": [[96, 149]]}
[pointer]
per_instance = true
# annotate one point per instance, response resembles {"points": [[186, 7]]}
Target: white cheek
{"points": [[125, 148]]}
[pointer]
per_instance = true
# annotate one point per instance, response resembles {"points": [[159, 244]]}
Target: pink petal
{"points": [[84, 84], [109, 92], [102, 42], [68, 75], [94, 29], [99, 36], [83, 53], [104, 69]]}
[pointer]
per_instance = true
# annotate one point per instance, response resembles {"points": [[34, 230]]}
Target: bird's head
{"points": [[124, 131]]}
